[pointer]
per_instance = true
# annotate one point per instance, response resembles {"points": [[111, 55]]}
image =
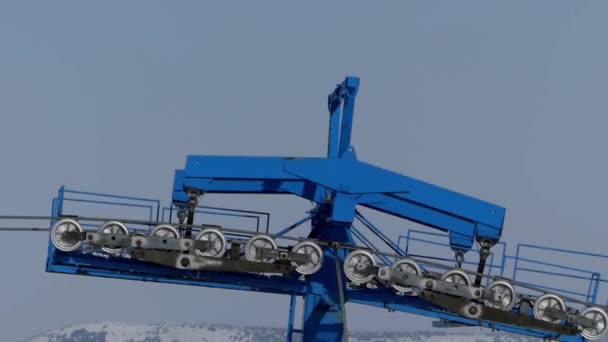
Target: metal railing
{"points": [[522, 265]]}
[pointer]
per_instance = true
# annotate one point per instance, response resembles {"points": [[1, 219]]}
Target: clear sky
{"points": [[505, 101]]}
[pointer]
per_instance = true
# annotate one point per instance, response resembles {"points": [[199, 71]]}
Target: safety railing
{"points": [[72, 202], [523, 266], [77, 199], [590, 279], [262, 219]]}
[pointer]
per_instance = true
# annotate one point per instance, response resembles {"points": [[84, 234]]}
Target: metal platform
{"points": [[501, 264]]}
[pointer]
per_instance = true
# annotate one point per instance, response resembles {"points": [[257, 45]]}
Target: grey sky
{"points": [[501, 100]]}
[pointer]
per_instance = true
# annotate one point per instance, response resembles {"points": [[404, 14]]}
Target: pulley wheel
{"points": [[548, 301], [218, 243], [259, 241], [456, 276], [600, 318], [114, 228], [59, 239], [500, 295], [356, 264], [315, 257], [406, 266], [165, 230]]}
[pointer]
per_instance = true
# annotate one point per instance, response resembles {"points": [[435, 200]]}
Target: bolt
{"points": [[477, 293], [138, 243], [185, 262], [473, 310], [90, 237], [429, 284], [187, 243]]}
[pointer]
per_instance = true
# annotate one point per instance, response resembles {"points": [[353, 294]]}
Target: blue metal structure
{"points": [[338, 184]]}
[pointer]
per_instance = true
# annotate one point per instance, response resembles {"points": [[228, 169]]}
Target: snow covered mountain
{"points": [[127, 332]]}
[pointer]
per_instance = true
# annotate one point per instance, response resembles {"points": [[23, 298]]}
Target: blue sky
{"points": [[500, 100]]}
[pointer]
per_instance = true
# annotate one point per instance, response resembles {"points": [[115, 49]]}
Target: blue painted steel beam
{"points": [[344, 182], [350, 87], [395, 247], [292, 314], [366, 185], [131, 269], [295, 225]]}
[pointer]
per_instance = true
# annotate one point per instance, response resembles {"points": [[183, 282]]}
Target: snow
{"points": [[129, 332]]}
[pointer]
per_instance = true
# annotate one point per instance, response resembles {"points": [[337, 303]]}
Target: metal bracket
{"points": [[468, 309], [570, 318], [201, 263], [73, 237], [386, 274], [281, 254], [145, 242]]}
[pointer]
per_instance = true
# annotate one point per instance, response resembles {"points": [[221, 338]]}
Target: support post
{"points": [[484, 253], [192, 203], [324, 315], [292, 313], [351, 86], [341, 104]]}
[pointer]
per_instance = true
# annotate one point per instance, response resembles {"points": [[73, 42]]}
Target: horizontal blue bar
{"points": [[552, 265], [555, 273], [581, 294], [216, 213], [147, 206], [112, 196], [569, 251]]}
